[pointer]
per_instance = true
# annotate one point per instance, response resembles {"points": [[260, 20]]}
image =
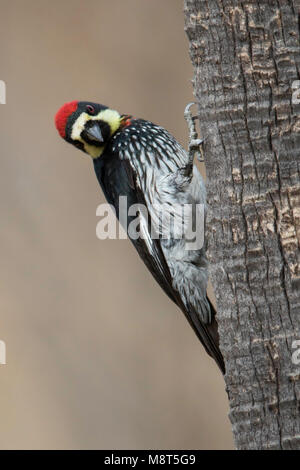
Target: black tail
{"points": [[208, 335], [212, 337]]}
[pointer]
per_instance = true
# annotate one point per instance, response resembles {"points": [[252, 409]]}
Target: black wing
{"points": [[118, 178]]}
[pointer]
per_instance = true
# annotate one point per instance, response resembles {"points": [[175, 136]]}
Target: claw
{"points": [[187, 108], [194, 142]]}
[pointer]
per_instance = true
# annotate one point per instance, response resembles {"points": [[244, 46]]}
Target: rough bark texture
{"points": [[246, 55]]}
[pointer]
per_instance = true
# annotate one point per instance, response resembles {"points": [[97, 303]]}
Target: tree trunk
{"points": [[246, 58]]}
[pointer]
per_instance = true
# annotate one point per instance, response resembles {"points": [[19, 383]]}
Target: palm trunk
{"points": [[246, 58]]}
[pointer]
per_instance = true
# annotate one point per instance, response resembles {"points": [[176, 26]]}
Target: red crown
{"points": [[63, 115]]}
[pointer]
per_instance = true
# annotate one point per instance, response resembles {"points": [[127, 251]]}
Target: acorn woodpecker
{"points": [[143, 162]]}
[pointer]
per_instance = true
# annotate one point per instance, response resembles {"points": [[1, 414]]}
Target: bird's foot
{"points": [[195, 144]]}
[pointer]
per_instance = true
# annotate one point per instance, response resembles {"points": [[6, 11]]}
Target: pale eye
{"points": [[90, 109]]}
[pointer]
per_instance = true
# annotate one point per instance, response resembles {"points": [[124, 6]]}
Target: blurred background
{"points": [[97, 355]]}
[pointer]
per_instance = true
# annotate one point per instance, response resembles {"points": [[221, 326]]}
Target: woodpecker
{"points": [[144, 162]]}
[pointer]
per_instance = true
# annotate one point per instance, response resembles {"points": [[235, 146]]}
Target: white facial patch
{"points": [[108, 115]]}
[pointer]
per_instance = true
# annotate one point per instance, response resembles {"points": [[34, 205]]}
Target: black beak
{"points": [[94, 133]]}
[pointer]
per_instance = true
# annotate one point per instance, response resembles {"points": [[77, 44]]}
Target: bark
{"points": [[246, 57]]}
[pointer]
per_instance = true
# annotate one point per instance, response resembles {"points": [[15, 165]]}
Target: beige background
{"points": [[97, 356]]}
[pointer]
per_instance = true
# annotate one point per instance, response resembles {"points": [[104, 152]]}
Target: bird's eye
{"points": [[90, 109]]}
